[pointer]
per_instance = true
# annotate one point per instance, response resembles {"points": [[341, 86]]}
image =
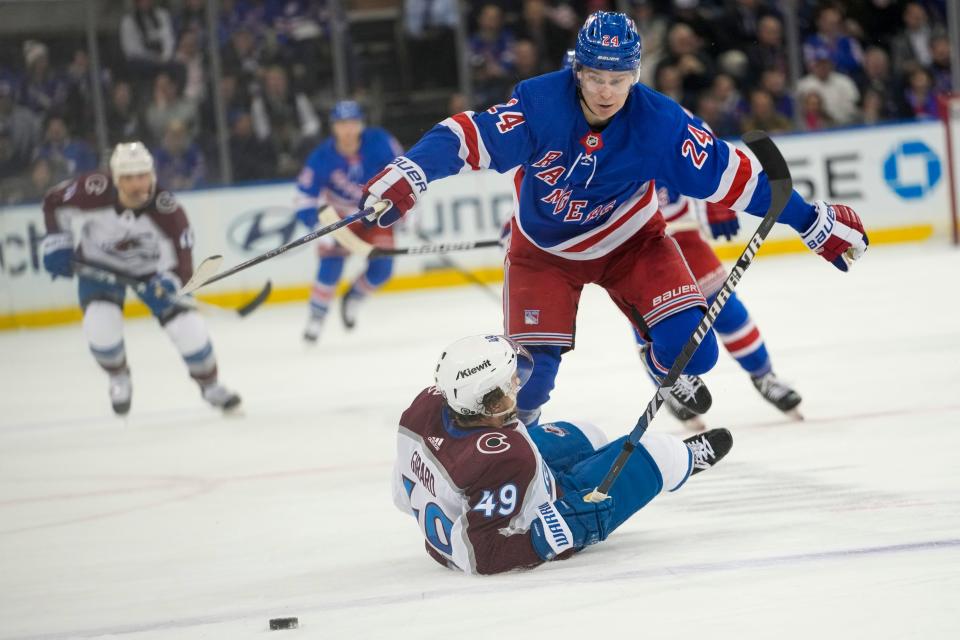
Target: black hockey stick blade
{"points": [[441, 247], [781, 188], [246, 309]]}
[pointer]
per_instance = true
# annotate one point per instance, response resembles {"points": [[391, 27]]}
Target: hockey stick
{"points": [[452, 264], [781, 187], [360, 247], [206, 271], [101, 273]]}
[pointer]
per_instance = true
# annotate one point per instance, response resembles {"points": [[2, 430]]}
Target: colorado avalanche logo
{"points": [[491, 443], [166, 203], [95, 184]]}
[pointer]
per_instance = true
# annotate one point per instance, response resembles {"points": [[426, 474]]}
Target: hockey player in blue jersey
{"points": [[333, 177], [589, 145]]}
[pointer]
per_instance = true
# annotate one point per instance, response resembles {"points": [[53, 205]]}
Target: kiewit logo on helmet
{"points": [[464, 373]]}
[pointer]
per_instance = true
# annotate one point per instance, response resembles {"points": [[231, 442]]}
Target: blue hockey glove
{"points": [[308, 216], [58, 254], [570, 523], [161, 292], [722, 221]]}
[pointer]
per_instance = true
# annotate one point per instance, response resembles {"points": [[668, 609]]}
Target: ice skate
{"points": [[121, 391], [220, 397], [709, 448], [687, 398], [312, 331], [779, 394], [348, 308]]}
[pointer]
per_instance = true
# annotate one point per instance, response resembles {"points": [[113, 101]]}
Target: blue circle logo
{"points": [[912, 170]]}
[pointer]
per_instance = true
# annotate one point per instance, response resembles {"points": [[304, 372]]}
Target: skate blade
{"points": [[794, 414]]}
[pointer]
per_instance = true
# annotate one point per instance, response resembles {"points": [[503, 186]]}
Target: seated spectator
{"points": [[43, 91], [526, 61], [669, 83], [124, 123], [872, 108], [242, 57], [685, 52], [880, 82], [768, 51], [252, 158], [550, 29], [844, 51], [67, 156], [429, 27], [839, 93], [739, 23], [28, 187], [724, 90], [300, 29], [287, 119], [919, 95], [78, 110], [491, 56], [763, 115], [21, 128], [652, 26], [774, 82], [813, 116], [179, 162], [192, 18], [911, 48], [191, 57], [708, 109], [148, 41], [940, 64], [168, 105]]}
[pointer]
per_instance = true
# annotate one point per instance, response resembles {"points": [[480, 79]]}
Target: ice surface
{"points": [[179, 523]]}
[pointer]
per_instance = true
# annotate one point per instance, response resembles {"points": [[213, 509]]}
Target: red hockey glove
{"points": [[837, 234], [400, 183], [722, 221]]}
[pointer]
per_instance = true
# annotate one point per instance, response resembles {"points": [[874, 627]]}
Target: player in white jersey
{"points": [[131, 226], [490, 495]]}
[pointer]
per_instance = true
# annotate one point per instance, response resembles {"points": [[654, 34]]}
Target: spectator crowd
{"points": [[865, 62]]}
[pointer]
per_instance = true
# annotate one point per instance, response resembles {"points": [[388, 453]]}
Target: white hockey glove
{"points": [[400, 183]]}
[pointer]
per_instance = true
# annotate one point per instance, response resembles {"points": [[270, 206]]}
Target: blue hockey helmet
{"points": [[346, 110], [609, 41], [569, 58]]}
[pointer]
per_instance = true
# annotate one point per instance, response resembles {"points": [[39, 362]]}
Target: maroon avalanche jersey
{"points": [[473, 492], [156, 237]]}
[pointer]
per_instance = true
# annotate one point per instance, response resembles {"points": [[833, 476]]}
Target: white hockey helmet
{"points": [[130, 158], [471, 368]]}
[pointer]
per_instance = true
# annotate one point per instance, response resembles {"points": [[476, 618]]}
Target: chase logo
{"points": [[912, 170], [262, 229]]}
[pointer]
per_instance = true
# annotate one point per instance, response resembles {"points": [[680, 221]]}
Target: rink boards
{"points": [[895, 176]]}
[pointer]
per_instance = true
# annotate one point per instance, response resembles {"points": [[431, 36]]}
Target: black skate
{"points": [[121, 392], [708, 448], [348, 308], [687, 398], [220, 397], [777, 393]]}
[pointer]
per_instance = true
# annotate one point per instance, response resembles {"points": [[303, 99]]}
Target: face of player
{"points": [[603, 93], [346, 134], [135, 190]]}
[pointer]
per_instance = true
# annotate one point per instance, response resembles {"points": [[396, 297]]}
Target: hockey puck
{"points": [[283, 623]]}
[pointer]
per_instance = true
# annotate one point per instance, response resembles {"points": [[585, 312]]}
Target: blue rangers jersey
{"points": [[329, 178], [582, 193]]}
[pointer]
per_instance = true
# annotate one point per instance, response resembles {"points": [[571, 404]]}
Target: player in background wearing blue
{"points": [[589, 145], [490, 494], [333, 176]]}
